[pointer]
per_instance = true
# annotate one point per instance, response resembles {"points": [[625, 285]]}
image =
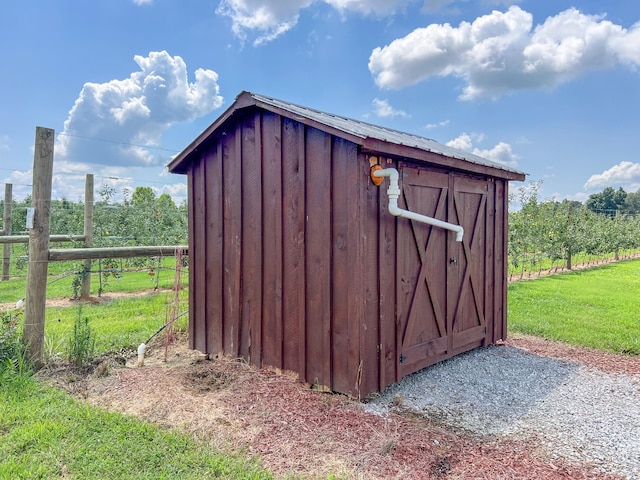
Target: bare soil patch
{"points": [[94, 299], [296, 431]]}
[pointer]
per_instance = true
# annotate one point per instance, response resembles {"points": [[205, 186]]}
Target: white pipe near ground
{"points": [[393, 192]]}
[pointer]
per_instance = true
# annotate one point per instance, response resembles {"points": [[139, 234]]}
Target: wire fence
{"points": [[130, 300]]}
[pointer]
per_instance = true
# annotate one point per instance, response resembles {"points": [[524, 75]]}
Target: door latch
{"points": [[453, 260]]}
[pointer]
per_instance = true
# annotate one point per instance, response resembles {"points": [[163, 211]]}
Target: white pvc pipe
{"points": [[393, 192]]}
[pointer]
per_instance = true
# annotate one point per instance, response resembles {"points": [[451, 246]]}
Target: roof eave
{"points": [[377, 146]]}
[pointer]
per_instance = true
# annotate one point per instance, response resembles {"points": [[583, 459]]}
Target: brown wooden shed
{"points": [[296, 263]]}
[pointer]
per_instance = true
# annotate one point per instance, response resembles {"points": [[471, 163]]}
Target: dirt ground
{"points": [[296, 431]]}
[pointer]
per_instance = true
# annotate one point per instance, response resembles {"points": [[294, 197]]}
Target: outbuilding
{"points": [[299, 260]]}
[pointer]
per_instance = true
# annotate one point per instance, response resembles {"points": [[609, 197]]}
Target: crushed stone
{"points": [[573, 411]]}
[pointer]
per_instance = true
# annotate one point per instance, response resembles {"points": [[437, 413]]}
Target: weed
{"points": [[12, 353], [82, 342], [53, 347]]}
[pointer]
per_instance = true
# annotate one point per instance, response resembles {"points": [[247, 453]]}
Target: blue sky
{"points": [[548, 87]]}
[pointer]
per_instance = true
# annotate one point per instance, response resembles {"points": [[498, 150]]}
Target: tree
{"points": [[607, 202], [143, 196], [632, 204]]}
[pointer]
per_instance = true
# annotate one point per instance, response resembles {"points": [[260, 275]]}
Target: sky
{"points": [[550, 88]]}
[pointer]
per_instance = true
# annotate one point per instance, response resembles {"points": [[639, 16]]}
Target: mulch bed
{"points": [[297, 431]]}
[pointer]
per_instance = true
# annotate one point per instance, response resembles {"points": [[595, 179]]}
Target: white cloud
{"points": [[442, 123], [501, 153], [452, 6], [128, 115], [431, 6], [463, 142], [20, 180], [383, 109], [69, 180], [501, 52], [143, 2], [178, 191], [272, 18], [369, 7], [624, 174]]}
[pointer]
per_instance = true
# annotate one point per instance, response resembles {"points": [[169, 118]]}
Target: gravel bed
{"points": [[575, 412]]}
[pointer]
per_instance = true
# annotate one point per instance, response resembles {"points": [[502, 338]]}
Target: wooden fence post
{"points": [[36, 296], [6, 230], [85, 289]]}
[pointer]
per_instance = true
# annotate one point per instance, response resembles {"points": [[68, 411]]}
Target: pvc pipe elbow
{"points": [[141, 349]]}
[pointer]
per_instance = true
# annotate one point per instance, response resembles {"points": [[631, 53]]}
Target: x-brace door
{"points": [[422, 270], [467, 269]]}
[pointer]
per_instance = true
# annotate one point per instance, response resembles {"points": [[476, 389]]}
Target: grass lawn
{"points": [[44, 433], [62, 275], [598, 308]]}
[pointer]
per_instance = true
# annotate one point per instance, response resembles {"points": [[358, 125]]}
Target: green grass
{"points": [[44, 433], [119, 324], [598, 308], [62, 274]]}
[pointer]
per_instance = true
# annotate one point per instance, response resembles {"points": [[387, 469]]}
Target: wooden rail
{"points": [[52, 238], [66, 254]]}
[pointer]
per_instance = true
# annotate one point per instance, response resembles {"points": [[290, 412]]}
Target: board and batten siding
{"points": [[296, 263], [291, 265]]}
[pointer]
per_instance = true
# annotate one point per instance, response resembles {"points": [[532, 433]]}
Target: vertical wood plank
{"points": [[232, 211], [214, 248], [346, 271], [370, 341], [191, 327], [454, 250], [491, 273], [356, 321], [272, 338], [389, 316], [252, 244], [197, 258], [293, 194], [318, 256], [36, 295], [501, 258]]}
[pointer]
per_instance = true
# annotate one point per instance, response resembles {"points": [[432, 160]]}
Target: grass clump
{"points": [[595, 308]]}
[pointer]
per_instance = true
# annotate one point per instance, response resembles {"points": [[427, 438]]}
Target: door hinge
{"points": [[402, 358]]}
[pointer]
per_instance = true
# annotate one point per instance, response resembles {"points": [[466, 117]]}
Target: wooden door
{"points": [[422, 270], [467, 270], [441, 286]]}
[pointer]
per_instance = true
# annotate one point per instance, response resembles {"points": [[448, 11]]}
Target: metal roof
{"points": [[354, 129], [367, 130]]}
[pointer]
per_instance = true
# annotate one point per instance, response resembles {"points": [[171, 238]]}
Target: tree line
{"points": [[544, 234], [140, 218]]}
